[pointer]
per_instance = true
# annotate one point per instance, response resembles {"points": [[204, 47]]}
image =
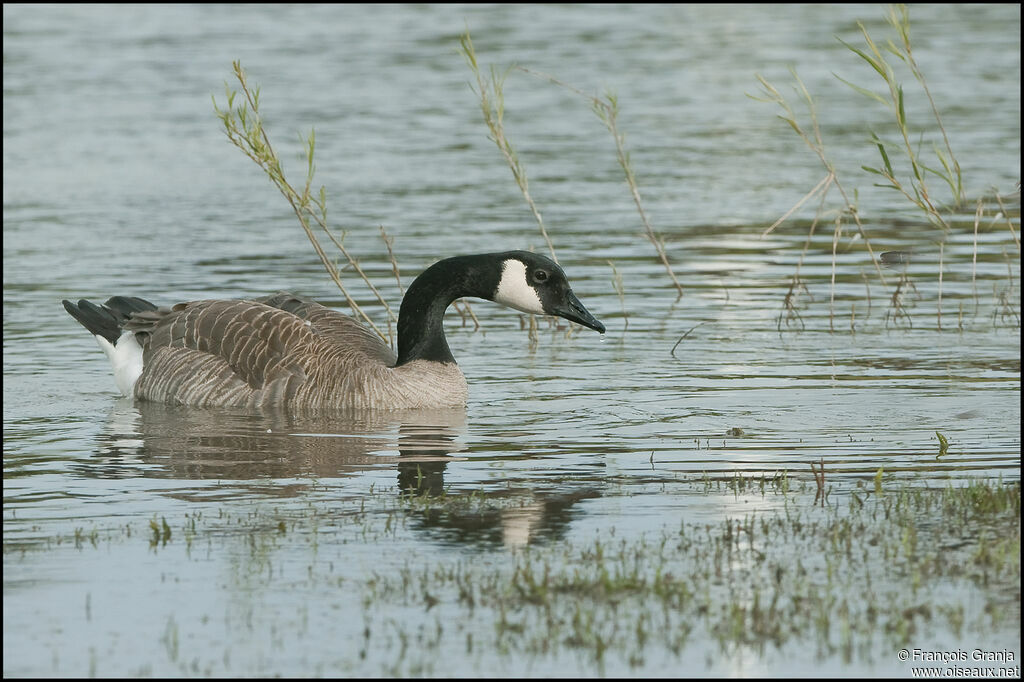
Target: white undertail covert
{"points": [[126, 358]]}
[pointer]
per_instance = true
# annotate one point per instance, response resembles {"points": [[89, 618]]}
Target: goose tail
{"points": [[106, 324]]}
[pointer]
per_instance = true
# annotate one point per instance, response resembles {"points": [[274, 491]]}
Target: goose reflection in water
{"points": [[274, 454], [166, 441]]}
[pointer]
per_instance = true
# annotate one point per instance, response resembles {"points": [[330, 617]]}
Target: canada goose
{"points": [[285, 350]]}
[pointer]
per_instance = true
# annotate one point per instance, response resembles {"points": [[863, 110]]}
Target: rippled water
{"points": [[117, 180]]}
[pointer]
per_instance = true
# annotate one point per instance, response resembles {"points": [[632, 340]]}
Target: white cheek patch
{"points": [[514, 291], [126, 358]]}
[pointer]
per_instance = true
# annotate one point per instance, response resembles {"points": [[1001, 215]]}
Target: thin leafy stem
{"points": [[1009, 223], [607, 110], [821, 187], [916, 190], [899, 18], [815, 142], [492, 105], [244, 128], [620, 292], [389, 243]]}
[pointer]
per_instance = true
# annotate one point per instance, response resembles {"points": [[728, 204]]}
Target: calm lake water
{"points": [[143, 539]]}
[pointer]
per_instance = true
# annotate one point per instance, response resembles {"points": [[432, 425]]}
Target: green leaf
{"points": [[874, 64], [863, 91], [792, 123], [946, 176], [885, 157], [943, 161], [874, 50], [933, 170], [885, 160], [894, 50], [943, 444], [902, 114]]}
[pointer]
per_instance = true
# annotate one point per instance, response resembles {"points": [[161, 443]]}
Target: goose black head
{"points": [[536, 284]]}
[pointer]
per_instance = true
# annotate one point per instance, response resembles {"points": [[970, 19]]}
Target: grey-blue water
{"points": [[118, 179]]}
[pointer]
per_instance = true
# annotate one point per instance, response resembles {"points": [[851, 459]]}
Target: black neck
{"points": [[421, 317]]}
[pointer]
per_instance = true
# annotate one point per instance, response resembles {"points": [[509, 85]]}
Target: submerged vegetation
{"points": [[879, 566], [847, 582]]}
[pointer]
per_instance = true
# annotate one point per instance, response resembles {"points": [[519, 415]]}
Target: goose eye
{"points": [[540, 275]]}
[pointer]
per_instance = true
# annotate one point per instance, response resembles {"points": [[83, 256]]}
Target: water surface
{"points": [[118, 180]]}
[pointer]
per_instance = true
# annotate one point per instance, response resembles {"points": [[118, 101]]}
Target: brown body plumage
{"points": [[279, 350]]}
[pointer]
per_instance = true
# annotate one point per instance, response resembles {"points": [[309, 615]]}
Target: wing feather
{"points": [[264, 351]]}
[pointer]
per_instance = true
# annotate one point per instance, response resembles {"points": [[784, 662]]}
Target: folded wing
{"points": [[269, 351]]}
